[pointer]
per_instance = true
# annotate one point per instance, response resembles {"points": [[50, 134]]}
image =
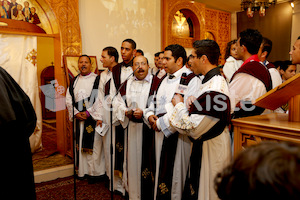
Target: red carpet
{"points": [[62, 189]]}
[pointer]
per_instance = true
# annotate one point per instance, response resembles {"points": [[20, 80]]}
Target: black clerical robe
{"points": [[17, 123]]}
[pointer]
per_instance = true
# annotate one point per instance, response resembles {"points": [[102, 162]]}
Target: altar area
{"points": [[275, 126]]}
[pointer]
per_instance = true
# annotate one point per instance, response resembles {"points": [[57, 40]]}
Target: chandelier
{"points": [[256, 5]]}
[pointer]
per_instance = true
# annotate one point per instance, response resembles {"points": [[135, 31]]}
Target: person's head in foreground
{"points": [[268, 170]]}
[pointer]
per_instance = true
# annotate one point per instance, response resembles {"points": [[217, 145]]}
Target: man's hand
{"points": [[190, 101], [152, 120], [129, 114], [138, 113], [177, 99], [81, 116], [99, 122]]}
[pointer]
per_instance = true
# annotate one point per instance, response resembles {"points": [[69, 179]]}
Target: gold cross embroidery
{"points": [[163, 188], [89, 129]]}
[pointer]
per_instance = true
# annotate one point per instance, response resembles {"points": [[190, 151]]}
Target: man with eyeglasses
{"points": [[129, 105]]}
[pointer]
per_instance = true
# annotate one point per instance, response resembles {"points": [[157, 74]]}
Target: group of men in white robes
{"points": [[170, 133]]}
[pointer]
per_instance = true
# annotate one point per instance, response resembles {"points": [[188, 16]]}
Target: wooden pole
{"points": [[294, 109]]}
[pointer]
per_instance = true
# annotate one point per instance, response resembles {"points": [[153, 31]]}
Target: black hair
{"points": [[84, 55], [251, 39], [140, 51], [228, 47], [277, 63], [267, 45], [112, 51], [157, 54], [269, 170], [177, 52], [132, 42], [285, 65], [210, 48]]}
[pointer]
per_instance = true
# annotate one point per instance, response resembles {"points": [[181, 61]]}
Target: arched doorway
{"points": [[195, 23], [60, 21]]}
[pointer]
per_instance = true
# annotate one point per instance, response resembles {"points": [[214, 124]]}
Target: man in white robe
{"points": [[252, 79], [205, 122], [169, 182], [120, 73], [90, 156], [130, 114], [107, 89]]}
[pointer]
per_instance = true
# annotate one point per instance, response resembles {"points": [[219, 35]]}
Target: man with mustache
{"points": [[129, 111], [82, 97]]}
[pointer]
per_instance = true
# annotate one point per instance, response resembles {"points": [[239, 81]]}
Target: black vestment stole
{"points": [[90, 123], [167, 158]]}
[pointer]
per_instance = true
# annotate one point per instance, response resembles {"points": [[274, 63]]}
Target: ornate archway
{"points": [[63, 14], [208, 23], [193, 11]]}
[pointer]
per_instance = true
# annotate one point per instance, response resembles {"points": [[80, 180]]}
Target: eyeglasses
{"points": [[136, 64]]}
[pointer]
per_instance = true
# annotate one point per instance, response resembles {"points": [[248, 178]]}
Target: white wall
{"points": [[108, 22]]}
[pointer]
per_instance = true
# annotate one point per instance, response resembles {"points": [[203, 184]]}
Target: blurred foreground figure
{"points": [[268, 170], [17, 123]]}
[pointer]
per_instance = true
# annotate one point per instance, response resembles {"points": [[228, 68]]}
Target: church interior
{"points": [[52, 39]]}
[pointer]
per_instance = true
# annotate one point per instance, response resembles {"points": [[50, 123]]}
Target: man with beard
{"points": [[81, 99]]}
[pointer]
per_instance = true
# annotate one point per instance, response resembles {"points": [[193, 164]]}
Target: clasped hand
{"points": [[136, 113], [178, 98]]}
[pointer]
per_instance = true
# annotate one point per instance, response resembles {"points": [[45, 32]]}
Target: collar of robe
{"points": [[213, 72], [86, 74], [127, 64]]}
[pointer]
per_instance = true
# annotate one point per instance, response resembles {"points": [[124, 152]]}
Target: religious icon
{"points": [[34, 18], [26, 11]]}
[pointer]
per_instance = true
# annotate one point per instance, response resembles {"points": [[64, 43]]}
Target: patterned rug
{"points": [[63, 189]]}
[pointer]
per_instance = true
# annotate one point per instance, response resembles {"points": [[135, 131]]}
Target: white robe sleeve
{"points": [[96, 108], [69, 105], [163, 123], [245, 87], [194, 125], [119, 110]]}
